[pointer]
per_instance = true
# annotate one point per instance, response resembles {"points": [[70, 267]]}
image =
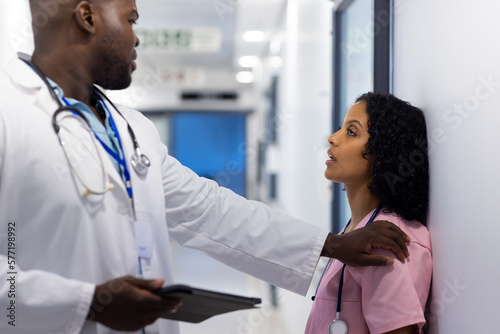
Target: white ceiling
{"points": [[231, 17]]}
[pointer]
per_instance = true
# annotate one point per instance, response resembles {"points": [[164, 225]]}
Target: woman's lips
{"points": [[332, 158]]}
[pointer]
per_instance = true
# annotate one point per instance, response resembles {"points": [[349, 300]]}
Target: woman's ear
{"points": [[85, 16]]}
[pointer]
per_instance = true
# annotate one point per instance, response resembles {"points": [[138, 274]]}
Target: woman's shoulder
{"points": [[417, 232]]}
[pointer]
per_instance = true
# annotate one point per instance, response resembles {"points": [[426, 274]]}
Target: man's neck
{"points": [[70, 75]]}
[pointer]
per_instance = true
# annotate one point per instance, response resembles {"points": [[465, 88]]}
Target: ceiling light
{"points": [[254, 36], [275, 45], [245, 77], [249, 61], [276, 61]]}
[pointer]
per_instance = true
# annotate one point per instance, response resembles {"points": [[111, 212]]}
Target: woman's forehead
{"points": [[357, 112]]}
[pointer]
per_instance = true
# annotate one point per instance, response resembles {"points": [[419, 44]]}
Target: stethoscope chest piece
{"points": [[337, 326], [140, 163]]}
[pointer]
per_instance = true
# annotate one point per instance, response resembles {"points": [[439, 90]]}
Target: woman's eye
{"points": [[350, 132]]}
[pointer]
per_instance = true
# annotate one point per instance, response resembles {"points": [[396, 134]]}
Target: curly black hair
{"points": [[397, 155]]}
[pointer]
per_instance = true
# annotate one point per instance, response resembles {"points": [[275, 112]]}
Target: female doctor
{"points": [[380, 154], [89, 196]]}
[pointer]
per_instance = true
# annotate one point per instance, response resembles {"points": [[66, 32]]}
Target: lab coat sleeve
{"points": [[36, 301], [41, 302], [246, 235]]}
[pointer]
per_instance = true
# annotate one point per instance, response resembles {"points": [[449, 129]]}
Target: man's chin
{"points": [[116, 85]]}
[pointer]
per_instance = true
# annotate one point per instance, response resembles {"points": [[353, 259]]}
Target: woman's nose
{"points": [[332, 140]]}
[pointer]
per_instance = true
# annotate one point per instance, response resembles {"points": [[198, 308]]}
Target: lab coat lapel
{"points": [[27, 80], [122, 127]]}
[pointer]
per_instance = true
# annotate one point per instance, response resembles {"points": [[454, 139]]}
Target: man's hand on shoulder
{"points": [[355, 248]]}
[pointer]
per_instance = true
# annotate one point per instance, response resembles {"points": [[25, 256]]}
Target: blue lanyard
{"points": [[111, 152], [122, 162], [341, 284]]}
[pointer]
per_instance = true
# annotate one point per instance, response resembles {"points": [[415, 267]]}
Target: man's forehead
{"points": [[133, 3], [57, 3], [129, 3], [123, 5], [54, 3]]}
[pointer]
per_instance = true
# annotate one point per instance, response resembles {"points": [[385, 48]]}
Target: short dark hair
{"points": [[397, 155]]}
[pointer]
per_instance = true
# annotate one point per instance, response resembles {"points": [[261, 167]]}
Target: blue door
{"points": [[212, 145]]}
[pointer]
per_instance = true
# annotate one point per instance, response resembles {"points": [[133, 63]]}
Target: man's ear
{"points": [[85, 16]]}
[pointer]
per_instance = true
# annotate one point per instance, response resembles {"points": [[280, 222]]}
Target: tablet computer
{"points": [[199, 305]]}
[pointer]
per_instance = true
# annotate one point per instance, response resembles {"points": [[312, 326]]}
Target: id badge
{"points": [[144, 239], [337, 326]]}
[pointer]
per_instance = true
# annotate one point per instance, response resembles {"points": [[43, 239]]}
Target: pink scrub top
{"points": [[378, 299]]}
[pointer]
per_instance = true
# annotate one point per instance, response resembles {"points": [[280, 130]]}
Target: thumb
{"points": [[146, 284], [377, 260]]}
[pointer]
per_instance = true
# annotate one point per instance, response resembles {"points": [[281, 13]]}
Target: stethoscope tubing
{"points": [[341, 283], [141, 159]]}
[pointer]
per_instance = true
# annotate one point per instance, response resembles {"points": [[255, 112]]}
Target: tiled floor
{"points": [[196, 269]]}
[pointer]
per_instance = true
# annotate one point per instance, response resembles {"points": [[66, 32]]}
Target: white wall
{"points": [[305, 102], [447, 60], [15, 30], [304, 106]]}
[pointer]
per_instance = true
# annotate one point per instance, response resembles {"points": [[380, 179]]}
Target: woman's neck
{"points": [[361, 202]]}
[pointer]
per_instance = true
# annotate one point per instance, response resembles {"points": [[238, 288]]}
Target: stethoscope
{"points": [[139, 161], [338, 326]]}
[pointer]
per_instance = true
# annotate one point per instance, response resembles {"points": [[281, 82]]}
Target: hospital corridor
{"points": [[289, 316], [300, 105]]}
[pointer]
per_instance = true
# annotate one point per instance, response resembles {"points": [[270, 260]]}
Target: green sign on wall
{"points": [[187, 39]]}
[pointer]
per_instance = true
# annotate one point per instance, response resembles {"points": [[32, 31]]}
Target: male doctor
{"points": [[79, 224]]}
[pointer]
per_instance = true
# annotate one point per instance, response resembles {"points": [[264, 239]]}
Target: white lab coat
{"points": [[66, 243]]}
